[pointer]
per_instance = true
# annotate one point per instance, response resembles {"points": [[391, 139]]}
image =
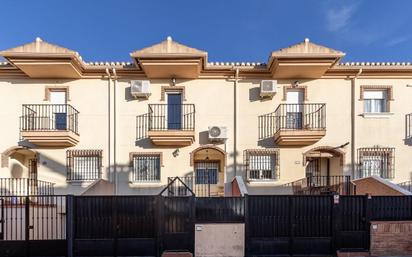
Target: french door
{"points": [[174, 111]]}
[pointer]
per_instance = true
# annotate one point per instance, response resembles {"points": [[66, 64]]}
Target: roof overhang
{"points": [[170, 59], [304, 67], [187, 68], [46, 65]]}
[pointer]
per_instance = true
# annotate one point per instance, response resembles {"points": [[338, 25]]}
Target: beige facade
{"points": [[218, 94]]}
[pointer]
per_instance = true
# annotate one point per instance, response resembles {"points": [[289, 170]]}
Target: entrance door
{"points": [[33, 184], [174, 111], [294, 117], [206, 178], [59, 109]]}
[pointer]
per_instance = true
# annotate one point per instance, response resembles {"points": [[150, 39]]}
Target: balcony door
{"points": [[174, 111], [58, 100], [294, 109]]}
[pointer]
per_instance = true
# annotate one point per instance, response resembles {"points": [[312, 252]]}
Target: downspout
{"points": [[353, 120], [114, 131], [109, 78], [235, 122]]}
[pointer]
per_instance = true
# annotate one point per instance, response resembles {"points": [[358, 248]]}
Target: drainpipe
{"points": [[114, 132], [235, 121], [353, 119], [109, 78]]}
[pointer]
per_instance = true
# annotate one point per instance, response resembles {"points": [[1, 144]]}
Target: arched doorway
{"points": [[209, 164], [20, 177], [324, 164]]}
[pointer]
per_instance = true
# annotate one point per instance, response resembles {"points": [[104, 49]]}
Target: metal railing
{"points": [[314, 185], [407, 185], [24, 187], [200, 186], [300, 117], [49, 117], [171, 117]]}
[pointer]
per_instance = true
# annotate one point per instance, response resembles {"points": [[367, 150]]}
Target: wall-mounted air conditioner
{"points": [[217, 133], [268, 88], [140, 88]]}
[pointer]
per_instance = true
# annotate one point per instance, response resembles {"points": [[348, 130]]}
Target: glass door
{"points": [[174, 111], [59, 109], [294, 116]]}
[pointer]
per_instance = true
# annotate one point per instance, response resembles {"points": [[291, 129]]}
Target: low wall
{"points": [[389, 238], [218, 240]]}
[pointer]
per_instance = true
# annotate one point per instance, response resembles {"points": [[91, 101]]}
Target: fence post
{"points": [[115, 224], [159, 224], [291, 224], [336, 221], [368, 216], [246, 210], [70, 225], [27, 224]]}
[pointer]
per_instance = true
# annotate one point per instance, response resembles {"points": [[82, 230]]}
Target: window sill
{"points": [[377, 115]]}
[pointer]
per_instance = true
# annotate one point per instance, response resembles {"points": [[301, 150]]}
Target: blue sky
{"points": [[229, 30]]}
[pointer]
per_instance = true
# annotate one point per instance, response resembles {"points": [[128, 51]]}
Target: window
{"points": [[84, 165], [146, 167], [376, 161], [262, 164], [375, 101]]}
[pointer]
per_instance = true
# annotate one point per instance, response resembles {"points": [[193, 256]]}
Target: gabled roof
{"points": [[169, 47], [307, 48], [38, 47]]}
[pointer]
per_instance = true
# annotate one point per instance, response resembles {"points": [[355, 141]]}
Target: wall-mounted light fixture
{"points": [[176, 152], [295, 83], [173, 81]]}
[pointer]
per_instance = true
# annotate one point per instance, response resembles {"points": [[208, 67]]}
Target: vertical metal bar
{"points": [[70, 225], [27, 225]]}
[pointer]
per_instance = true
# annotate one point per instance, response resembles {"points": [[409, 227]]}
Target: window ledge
{"points": [[377, 115], [79, 182]]}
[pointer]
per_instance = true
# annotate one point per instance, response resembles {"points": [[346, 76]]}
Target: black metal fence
{"points": [[49, 117], [25, 186], [276, 225]]}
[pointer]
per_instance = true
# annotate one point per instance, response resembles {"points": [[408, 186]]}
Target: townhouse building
{"points": [[76, 127]]}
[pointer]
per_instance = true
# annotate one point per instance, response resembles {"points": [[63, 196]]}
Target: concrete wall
{"points": [[219, 240]]}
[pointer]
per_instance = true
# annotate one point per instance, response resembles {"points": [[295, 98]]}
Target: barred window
{"points": [[206, 172], [146, 167], [262, 164], [376, 161], [83, 165]]}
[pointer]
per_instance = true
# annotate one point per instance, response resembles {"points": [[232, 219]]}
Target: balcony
{"points": [[49, 125], [168, 124], [296, 124], [25, 187]]}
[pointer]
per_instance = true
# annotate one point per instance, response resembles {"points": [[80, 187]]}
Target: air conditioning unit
{"points": [[268, 88], [217, 133], [140, 88]]}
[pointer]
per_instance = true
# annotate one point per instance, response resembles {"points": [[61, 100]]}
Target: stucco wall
{"points": [[214, 106]]}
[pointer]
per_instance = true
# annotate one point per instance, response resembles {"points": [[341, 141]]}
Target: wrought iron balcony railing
{"points": [[25, 187], [293, 117], [164, 117], [49, 117]]}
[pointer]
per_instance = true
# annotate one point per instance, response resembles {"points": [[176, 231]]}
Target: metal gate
{"points": [[33, 226], [289, 225], [177, 219]]}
